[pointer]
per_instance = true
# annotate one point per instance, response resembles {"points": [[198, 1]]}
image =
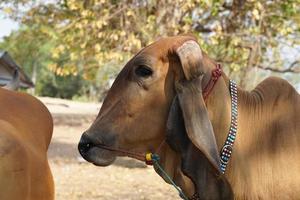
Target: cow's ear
{"points": [[208, 182], [189, 91], [189, 130]]}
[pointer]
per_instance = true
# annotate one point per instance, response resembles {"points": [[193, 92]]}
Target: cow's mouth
{"points": [[100, 157], [93, 153]]}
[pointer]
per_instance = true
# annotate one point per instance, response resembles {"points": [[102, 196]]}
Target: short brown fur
{"points": [[265, 163], [25, 133]]}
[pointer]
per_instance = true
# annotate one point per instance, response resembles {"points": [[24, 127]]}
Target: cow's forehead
{"points": [[162, 46], [157, 51], [158, 48]]}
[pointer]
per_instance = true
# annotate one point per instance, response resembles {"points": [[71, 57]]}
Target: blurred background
{"points": [[71, 50]]}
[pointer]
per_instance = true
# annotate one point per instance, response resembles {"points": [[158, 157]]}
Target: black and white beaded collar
{"points": [[228, 146]]}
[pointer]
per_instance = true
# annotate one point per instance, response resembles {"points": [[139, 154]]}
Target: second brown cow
{"points": [[265, 162]]}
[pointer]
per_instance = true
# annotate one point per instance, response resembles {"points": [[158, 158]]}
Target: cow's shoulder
{"points": [[10, 142], [277, 89], [26, 113], [22, 101]]}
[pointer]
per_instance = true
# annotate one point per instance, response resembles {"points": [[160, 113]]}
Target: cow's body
{"points": [[265, 163], [158, 95], [25, 133]]}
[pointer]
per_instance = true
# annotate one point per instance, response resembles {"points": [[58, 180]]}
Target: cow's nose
{"points": [[85, 144]]}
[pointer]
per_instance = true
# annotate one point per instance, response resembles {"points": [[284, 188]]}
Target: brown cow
{"points": [[163, 83], [25, 133]]}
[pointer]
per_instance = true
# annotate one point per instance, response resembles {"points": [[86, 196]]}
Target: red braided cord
{"points": [[132, 154], [215, 74]]}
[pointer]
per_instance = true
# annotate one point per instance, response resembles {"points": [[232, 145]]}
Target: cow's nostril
{"points": [[85, 144], [84, 147]]}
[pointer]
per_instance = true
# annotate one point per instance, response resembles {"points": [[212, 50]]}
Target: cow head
{"points": [[162, 81]]}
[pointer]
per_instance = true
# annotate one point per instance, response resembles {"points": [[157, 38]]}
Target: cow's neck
{"points": [[219, 108], [171, 163]]}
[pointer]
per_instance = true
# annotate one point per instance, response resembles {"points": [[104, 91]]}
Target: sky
{"points": [[6, 26]]}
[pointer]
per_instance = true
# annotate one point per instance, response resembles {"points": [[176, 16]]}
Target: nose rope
{"points": [[132, 154], [160, 146], [149, 159], [136, 155]]}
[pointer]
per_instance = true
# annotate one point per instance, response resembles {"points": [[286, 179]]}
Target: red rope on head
{"points": [[122, 152], [132, 154], [215, 75]]}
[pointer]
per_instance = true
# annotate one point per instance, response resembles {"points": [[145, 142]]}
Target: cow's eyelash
{"points": [[143, 71]]}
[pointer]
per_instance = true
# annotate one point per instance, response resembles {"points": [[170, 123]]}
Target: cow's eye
{"points": [[143, 71]]}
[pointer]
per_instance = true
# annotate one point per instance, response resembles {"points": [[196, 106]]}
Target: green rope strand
{"points": [[155, 159]]}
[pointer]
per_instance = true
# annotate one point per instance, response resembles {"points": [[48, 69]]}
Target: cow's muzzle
{"points": [[90, 151]]}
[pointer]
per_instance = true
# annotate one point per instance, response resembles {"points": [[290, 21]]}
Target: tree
{"points": [[241, 34], [31, 50]]}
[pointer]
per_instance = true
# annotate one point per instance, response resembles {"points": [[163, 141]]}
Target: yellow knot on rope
{"points": [[150, 158]]}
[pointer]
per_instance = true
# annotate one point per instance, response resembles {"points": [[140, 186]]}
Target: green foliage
{"points": [[60, 86], [31, 50]]}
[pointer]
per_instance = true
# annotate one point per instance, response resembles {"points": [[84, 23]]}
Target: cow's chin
{"points": [[100, 157]]}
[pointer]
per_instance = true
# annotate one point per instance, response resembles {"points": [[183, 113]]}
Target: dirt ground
{"points": [[75, 179]]}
